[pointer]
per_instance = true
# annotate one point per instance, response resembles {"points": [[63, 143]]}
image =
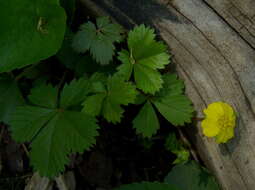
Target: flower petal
{"points": [[210, 128]]}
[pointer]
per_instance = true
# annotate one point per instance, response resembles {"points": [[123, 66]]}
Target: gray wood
{"points": [[213, 46]]}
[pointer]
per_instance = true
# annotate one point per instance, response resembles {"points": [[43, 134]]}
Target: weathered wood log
{"points": [[213, 43]]}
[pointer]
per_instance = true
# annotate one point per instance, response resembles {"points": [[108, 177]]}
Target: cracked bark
{"points": [[213, 43]]}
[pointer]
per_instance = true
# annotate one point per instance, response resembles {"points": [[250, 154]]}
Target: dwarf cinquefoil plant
{"points": [[60, 117]]}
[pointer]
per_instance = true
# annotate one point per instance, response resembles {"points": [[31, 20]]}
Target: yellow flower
{"points": [[219, 122]]}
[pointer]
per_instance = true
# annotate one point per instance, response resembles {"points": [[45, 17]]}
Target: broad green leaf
{"points": [[146, 122], [10, 98], [99, 39], [55, 132], [108, 97], [44, 96], [191, 176], [31, 31], [147, 186], [144, 58]]}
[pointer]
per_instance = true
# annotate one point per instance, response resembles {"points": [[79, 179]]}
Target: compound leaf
{"points": [[99, 39], [146, 122], [55, 132], [31, 31], [144, 58], [109, 98]]}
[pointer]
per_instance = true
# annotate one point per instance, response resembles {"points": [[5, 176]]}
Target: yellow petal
{"points": [[210, 128], [225, 135], [214, 110]]}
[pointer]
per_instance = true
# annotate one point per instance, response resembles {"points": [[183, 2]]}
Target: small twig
{"points": [[62, 80], [185, 140], [25, 149], [198, 118]]}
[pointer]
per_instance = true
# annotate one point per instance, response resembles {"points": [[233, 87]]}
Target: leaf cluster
{"points": [[59, 117]]}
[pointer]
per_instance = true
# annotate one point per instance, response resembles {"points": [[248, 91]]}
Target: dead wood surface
{"points": [[213, 43]]}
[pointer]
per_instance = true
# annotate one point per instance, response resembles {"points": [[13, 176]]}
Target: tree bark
{"points": [[213, 43]]}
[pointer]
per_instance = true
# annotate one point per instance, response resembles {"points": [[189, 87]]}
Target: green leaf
{"points": [[177, 147], [99, 39], [175, 108], [171, 102], [147, 79], [27, 121], [191, 176], [80, 64], [147, 186], [10, 98], [107, 99], [67, 132], [121, 92], [93, 104], [55, 132], [171, 84], [125, 70], [44, 96], [74, 93], [182, 156], [112, 111], [144, 58], [140, 99], [146, 122], [172, 143], [31, 31]]}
